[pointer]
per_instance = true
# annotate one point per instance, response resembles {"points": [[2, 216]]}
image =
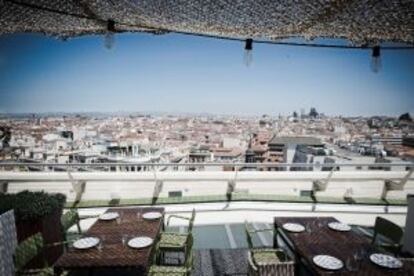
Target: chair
{"points": [[176, 242], [71, 218], [391, 231], [26, 251], [267, 261], [184, 270], [8, 242], [67, 220]]}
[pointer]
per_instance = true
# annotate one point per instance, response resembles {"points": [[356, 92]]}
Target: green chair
{"points": [[173, 241], [185, 270], [26, 251], [267, 261], [391, 232], [69, 219]]}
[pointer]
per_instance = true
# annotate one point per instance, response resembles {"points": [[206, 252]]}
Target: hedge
{"points": [[31, 205]]}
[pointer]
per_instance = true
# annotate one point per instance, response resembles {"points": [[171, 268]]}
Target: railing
{"points": [[243, 192], [406, 165], [153, 186]]}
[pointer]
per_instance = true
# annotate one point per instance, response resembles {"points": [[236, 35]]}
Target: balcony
{"points": [[224, 200]]}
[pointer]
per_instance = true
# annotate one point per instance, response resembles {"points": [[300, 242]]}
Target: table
{"points": [[342, 245], [114, 254]]}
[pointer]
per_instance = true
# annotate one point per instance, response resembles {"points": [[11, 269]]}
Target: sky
{"points": [[178, 73]]}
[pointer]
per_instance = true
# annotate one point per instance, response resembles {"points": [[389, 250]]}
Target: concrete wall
{"points": [[108, 185], [280, 187], [194, 188]]}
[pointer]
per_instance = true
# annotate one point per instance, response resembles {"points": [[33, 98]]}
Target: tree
{"points": [[313, 113], [405, 117], [5, 136]]}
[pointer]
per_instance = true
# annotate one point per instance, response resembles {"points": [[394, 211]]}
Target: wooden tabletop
{"points": [[342, 245], [114, 253]]}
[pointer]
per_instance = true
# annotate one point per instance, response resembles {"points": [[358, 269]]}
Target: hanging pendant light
{"points": [[109, 39], [248, 52], [376, 59]]}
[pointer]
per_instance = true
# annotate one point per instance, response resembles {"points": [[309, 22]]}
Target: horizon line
{"points": [[177, 113]]}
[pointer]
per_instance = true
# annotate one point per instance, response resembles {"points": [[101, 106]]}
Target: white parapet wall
{"points": [[106, 185], [201, 175]]}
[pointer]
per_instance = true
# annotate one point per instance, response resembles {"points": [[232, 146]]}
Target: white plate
{"points": [[385, 260], [293, 227], [86, 243], [140, 242], [109, 216], [328, 262], [337, 226], [152, 215]]}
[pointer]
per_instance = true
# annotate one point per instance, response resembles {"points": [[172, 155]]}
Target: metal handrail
{"points": [[250, 165]]}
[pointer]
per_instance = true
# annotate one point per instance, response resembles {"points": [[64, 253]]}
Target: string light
{"points": [[162, 31], [376, 64], [109, 39], [248, 52]]}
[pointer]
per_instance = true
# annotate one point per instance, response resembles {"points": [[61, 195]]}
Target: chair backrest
{"points": [[69, 219], [191, 222], [389, 230], [249, 232], [27, 250], [8, 242], [189, 252]]}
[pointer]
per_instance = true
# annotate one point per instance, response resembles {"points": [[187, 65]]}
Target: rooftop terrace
{"points": [[225, 200]]}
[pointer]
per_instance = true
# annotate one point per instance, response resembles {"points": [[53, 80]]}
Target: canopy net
{"points": [[359, 21]]}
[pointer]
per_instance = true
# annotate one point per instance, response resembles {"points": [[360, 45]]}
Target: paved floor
{"points": [[207, 262], [212, 262]]}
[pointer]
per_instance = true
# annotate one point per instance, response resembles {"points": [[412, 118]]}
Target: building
{"points": [[387, 139], [285, 149], [408, 141], [230, 155]]}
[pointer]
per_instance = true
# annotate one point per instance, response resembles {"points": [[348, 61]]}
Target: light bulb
{"points": [[248, 57], [376, 64], [248, 52], [109, 40]]}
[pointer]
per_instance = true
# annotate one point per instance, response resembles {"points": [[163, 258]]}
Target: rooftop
{"points": [[311, 141]]}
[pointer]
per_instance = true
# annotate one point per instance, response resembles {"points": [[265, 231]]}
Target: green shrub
{"points": [[31, 205]]}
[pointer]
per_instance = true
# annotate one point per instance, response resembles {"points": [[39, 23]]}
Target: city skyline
{"points": [[182, 74], [121, 114]]}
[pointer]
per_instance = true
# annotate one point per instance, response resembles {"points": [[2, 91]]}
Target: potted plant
{"points": [[37, 212]]}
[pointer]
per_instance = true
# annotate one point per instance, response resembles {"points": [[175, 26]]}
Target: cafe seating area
{"points": [[246, 232], [141, 241]]}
